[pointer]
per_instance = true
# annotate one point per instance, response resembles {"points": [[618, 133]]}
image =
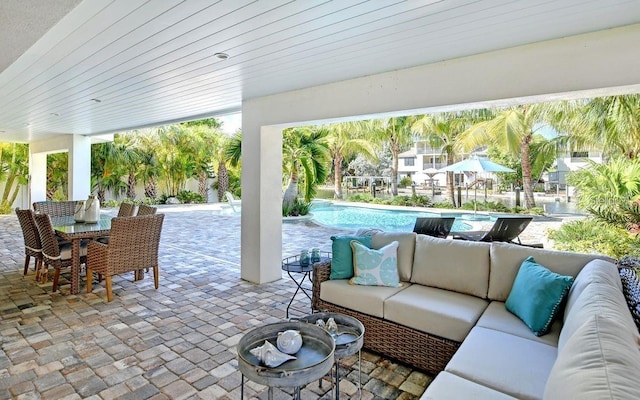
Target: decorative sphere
{"points": [[289, 341]]}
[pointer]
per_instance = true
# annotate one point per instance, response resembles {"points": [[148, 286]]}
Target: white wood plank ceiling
{"points": [[112, 65]]}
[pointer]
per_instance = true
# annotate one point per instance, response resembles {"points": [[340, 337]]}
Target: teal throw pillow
{"points": [[342, 256], [536, 295], [375, 267]]}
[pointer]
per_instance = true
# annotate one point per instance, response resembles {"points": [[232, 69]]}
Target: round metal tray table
{"points": [[314, 360], [349, 340]]}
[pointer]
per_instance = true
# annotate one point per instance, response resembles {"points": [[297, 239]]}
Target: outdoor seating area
{"points": [[177, 341]]}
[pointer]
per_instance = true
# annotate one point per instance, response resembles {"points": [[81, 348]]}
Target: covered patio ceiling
{"points": [[97, 66]]}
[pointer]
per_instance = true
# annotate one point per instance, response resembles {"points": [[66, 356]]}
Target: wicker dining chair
{"points": [[133, 245], [126, 209], [56, 208], [32, 244], [144, 209], [55, 253]]}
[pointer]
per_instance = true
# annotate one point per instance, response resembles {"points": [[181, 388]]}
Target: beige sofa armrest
{"points": [[321, 272]]}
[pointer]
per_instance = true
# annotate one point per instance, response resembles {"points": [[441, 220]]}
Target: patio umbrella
{"points": [[431, 172], [476, 164]]}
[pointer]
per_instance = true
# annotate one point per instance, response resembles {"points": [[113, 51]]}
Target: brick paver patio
{"points": [[177, 342]]}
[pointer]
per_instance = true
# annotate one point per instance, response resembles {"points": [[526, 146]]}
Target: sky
{"points": [[231, 123]]}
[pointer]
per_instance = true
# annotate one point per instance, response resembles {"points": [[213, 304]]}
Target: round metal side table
{"points": [[349, 340], [293, 267]]}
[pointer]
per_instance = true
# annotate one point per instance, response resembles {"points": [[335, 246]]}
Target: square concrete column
{"points": [[78, 148], [261, 235]]}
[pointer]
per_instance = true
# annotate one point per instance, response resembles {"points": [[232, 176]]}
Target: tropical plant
{"points": [[514, 130], [344, 141], [14, 171], [57, 174], [397, 134], [110, 161], [148, 169], [592, 236], [304, 150], [296, 209], [610, 192], [443, 131]]}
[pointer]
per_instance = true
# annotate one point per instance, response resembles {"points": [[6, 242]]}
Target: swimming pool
{"points": [[354, 217]]}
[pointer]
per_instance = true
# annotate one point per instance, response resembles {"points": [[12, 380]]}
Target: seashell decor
{"points": [[331, 327], [289, 341], [270, 356]]}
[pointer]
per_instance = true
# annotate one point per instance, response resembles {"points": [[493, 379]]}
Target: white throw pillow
{"points": [[375, 267]]}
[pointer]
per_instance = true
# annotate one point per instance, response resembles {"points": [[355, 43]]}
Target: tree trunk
{"points": [[8, 184], [451, 189], [131, 186], [151, 188], [526, 173], [223, 180], [337, 177], [291, 194], [202, 185], [394, 171]]}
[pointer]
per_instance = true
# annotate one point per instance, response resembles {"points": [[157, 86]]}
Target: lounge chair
{"points": [[437, 226], [505, 229], [233, 203]]}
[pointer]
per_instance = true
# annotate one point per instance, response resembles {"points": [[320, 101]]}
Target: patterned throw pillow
{"points": [[631, 290], [375, 267]]}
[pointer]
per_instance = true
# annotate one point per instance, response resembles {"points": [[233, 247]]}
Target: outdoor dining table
{"points": [[68, 229]]}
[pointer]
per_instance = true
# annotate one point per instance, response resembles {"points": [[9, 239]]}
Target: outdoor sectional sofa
{"points": [[449, 318]]}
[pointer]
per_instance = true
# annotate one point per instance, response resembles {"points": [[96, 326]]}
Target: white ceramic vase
{"points": [[92, 210], [78, 215]]}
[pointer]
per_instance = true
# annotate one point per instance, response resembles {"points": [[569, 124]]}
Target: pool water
{"points": [[353, 217]]}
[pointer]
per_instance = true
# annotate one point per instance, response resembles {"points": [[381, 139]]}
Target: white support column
{"points": [[261, 235], [79, 149], [80, 168], [38, 172]]}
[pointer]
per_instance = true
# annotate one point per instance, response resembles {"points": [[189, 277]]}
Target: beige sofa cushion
{"points": [[406, 248], [596, 299], [507, 363], [600, 361], [365, 299], [498, 318], [506, 260], [595, 271], [456, 265], [451, 387], [439, 312]]}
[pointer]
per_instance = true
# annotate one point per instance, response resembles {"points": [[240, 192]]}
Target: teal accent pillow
{"points": [[375, 267], [342, 256], [536, 295]]}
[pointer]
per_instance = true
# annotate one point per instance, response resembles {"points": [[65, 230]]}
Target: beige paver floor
{"points": [[177, 342]]}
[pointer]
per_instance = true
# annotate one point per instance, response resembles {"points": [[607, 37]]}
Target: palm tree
{"points": [[396, 133], [148, 171], [231, 152], [57, 174], [14, 170], [443, 130], [343, 142], [513, 129], [609, 123], [109, 163], [304, 149]]}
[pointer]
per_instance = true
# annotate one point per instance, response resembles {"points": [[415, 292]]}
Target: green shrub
{"points": [[405, 182], [110, 203], [361, 197], [298, 208], [443, 204], [187, 196], [5, 207], [593, 236], [486, 206]]}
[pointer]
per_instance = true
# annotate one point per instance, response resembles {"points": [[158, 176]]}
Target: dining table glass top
{"points": [[68, 225]]}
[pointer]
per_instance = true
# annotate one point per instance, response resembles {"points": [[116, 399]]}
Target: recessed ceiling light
{"points": [[3, 131], [55, 114], [96, 100], [221, 56], [27, 124]]}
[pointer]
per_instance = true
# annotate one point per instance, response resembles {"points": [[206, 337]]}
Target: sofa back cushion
{"points": [[595, 271], [596, 299], [506, 260], [600, 361], [406, 246], [456, 265]]}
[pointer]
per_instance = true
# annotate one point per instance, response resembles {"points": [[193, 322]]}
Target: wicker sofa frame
{"points": [[419, 349]]}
